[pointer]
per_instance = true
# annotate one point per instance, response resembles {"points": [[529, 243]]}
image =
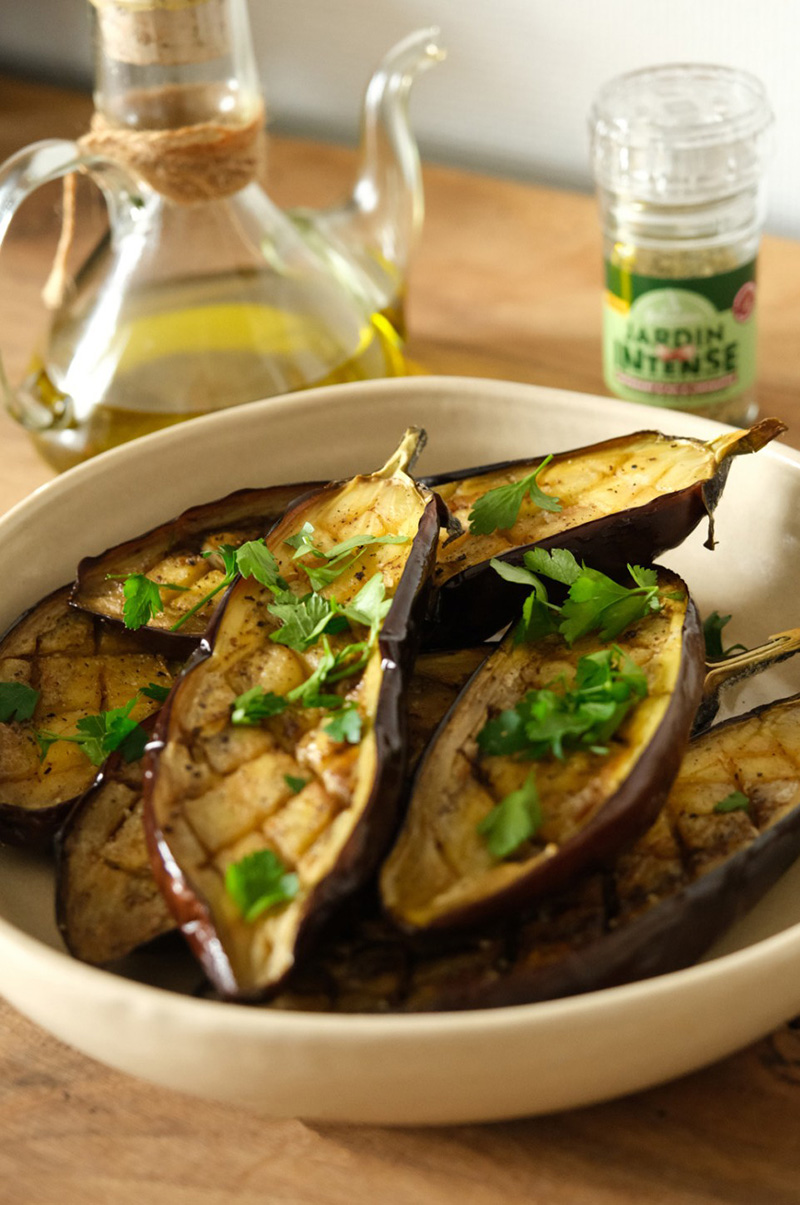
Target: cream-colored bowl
{"points": [[462, 1067]]}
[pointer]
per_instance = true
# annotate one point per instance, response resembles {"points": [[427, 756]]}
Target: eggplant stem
{"points": [[731, 669], [738, 443], [404, 458]]}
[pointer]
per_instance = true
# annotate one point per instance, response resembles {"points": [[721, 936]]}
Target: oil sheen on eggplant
{"points": [[216, 792], [441, 873], [623, 501], [80, 666], [174, 553], [658, 908]]}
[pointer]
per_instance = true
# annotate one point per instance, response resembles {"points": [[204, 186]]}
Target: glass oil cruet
{"points": [[205, 295]]}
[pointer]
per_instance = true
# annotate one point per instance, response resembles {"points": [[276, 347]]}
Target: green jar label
{"points": [[680, 343]]}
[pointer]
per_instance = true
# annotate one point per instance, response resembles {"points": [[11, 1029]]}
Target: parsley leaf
{"points": [[295, 784], [259, 882], [735, 802], [548, 722], [339, 558], [304, 620], [370, 606], [17, 701], [142, 599], [255, 560], [102, 734], [499, 508], [595, 602], [155, 691], [513, 821], [345, 725], [712, 633], [256, 705]]}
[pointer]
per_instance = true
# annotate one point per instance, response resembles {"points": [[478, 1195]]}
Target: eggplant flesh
{"points": [[623, 501], [174, 553], [107, 900], [108, 903], [80, 666], [657, 908], [216, 793], [441, 872]]}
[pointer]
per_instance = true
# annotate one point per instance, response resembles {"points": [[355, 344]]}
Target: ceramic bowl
{"points": [[425, 1069]]}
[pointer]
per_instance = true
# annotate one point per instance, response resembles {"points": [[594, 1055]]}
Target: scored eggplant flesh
{"points": [[173, 553], [108, 902], [107, 899], [623, 501], [80, 666], [658, 908], [216, 793], [441, 872]]}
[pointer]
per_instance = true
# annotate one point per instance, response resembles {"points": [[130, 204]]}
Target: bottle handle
{"points": [[38, 164]]}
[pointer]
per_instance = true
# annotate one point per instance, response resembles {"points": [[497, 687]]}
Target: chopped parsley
{"points": [[513, 821], [256, 705], [335, 561], [712, 633], [156, 692], [142, 598], [735, 802], [345, 725], [595, 602], [259, 882], [499, 508], [100, 735], [17, 701], [294, 783], [549, 722]]}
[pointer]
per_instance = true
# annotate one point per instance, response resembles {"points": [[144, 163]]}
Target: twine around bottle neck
{"points": [[187, 164]]}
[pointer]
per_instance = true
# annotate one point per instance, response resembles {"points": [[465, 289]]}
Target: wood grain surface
{"points": [[506, 284]]}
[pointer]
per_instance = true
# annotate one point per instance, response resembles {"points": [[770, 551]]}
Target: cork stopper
{"points": [[165, 32]]}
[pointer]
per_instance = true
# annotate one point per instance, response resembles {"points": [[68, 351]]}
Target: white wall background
{"points": [[512, 97]]}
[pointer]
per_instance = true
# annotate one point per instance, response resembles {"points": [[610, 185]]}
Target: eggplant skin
{"points": [[80, 665], [612, 518], [359, 847], [439, 874], [173, 549], [657, 908]]}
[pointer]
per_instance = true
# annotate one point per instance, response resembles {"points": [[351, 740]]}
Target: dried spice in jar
{"points": [[678, 154]]}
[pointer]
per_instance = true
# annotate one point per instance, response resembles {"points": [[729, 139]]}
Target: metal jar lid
{"points": [[680, 134]]}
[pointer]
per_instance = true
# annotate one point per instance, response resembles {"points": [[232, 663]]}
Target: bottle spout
{"points": [[381, 220]]}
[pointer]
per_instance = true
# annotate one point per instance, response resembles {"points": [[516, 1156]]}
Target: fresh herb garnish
{"points": [[513, 821], [550, 722], [156, 692], [100, 735], [305, 620], [142, 598], [499, 508], [595, 602], [256, 705], [345, 725], [259, 882], [294, 783], [17, 701], [735, 802], [712, 633], [338, 559]]}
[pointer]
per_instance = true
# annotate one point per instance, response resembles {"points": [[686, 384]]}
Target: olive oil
{"points": [[189, 349]]}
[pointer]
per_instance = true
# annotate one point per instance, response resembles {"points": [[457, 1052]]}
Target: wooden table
{"points": [[505, 285]]}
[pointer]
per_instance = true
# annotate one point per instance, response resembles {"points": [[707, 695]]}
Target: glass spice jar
{"points": [[678, 154]]}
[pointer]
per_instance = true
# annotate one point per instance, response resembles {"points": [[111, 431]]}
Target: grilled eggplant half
{"points": [[304, 795], [79, 666], [622, 501], [108, 903], [729, 829], [181, 553], [444, 871]]}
